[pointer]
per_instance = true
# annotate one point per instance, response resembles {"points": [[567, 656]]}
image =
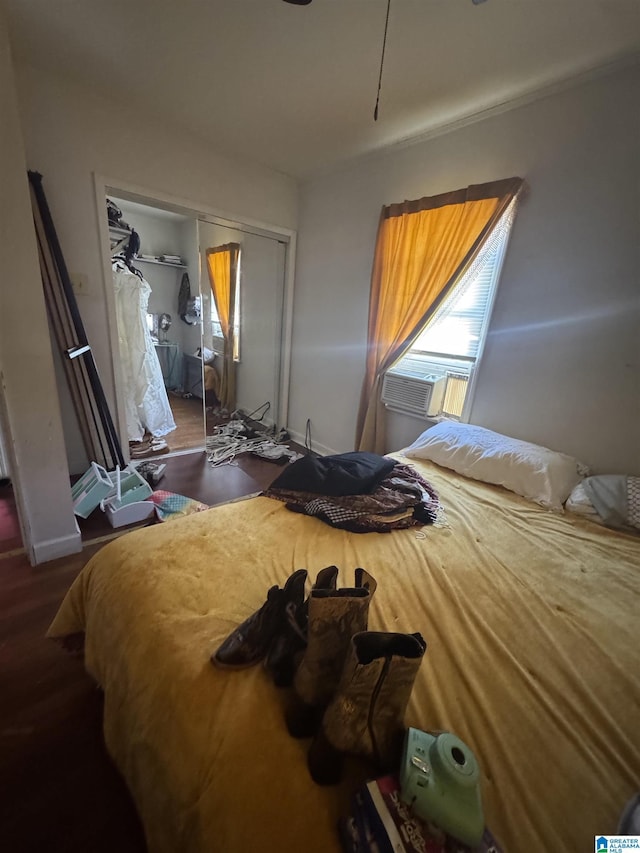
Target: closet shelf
{"points": [[116, 231], [120, 232], [159, 263]]}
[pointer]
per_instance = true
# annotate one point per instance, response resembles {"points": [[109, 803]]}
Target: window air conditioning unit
{"points": [[413, 393]]}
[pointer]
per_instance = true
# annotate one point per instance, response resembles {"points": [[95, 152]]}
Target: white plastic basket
{"points": [[92, 488]]}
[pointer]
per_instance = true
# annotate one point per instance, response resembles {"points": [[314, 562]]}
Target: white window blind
{"points": [[458, 326]]}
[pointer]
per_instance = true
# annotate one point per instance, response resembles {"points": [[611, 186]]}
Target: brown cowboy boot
{"points": [[250, 641], [335, 615], [366, 715], [290, 642]]}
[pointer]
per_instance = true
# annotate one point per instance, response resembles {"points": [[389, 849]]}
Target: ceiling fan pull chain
{"points": [[384, 44]]}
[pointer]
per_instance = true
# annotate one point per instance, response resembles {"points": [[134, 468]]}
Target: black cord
{"points": [[307, 435], [384, 44]]}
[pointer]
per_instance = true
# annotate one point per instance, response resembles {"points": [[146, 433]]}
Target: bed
{"points": [[531, 620]]}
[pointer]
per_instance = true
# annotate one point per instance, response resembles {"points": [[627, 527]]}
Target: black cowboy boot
{"points": [[251, 640], [288, 645]]}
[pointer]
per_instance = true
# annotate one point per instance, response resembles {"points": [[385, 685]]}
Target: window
{"points": [[216, 328], [230, 261], [423, 248], [451, 344]]}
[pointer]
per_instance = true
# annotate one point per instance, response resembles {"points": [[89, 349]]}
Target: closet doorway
{"points": [[185, 314], [154, 258]]}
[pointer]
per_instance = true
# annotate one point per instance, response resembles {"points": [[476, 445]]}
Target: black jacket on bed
{"points": [[354, 473]]}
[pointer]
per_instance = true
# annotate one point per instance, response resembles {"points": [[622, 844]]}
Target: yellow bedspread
{"points": [[532, 624]]}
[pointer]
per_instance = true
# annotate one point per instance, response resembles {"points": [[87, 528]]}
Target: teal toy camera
{"points": [[440, 780]]}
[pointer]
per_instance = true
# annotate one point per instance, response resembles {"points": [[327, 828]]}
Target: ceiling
{"points": [[294, 87]]}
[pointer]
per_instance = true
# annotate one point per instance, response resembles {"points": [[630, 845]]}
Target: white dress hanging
{"points": [[146, 401]]}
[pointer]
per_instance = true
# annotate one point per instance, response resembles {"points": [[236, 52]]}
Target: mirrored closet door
{"points": [[242, 289]]}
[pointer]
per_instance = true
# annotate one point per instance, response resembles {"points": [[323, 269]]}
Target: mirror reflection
{"points": [[242, 276]]}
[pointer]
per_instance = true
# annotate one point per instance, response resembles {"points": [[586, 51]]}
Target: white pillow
{"points": [[578, 502], [535, 472]]}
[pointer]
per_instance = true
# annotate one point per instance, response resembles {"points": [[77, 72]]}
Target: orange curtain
{"points": [[422, 249], [222, 266]]}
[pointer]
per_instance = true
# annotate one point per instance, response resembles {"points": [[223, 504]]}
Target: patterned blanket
{"points": [[402, 499], [170, 506]]}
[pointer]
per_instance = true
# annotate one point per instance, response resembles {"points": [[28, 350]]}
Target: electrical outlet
{"points": [[79, 282]]}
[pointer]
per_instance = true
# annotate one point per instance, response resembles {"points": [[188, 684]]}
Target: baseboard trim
{"points": [[315, 446], [51, 549]]}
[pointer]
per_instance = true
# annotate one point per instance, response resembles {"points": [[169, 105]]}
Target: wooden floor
{"points": [[190, 474], [192, 418], [188, 413], [59, 791]]}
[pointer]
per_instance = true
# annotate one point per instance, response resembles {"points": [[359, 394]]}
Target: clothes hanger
{"points": [[121, 261], [119, 246], [124, 254]]}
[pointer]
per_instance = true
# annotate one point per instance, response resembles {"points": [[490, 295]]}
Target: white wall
{"points": [[29, 410], [72, 132], [561, 365]]}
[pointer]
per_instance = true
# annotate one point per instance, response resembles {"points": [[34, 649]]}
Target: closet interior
{"points": [[154, 256]]}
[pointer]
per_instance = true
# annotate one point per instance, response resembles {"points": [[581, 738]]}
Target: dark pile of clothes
{"points": [[359, 491], [114, 215]]}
